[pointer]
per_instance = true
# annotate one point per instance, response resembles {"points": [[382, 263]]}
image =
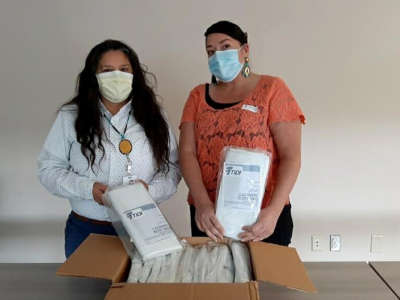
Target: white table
{"points": [[335, 280]]}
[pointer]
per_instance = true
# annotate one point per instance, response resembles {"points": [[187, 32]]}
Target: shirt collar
{"points": [[123, 112]]}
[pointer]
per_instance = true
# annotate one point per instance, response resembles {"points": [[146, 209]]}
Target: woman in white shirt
{"points": [[112, 132]]}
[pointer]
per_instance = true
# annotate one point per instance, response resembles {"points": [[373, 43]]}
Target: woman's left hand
{"points": [[142, 182], [263, 228]]}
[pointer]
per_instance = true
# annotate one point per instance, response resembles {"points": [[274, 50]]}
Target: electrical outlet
{"points": [[316, 243], [377, 243], [335, 242]]}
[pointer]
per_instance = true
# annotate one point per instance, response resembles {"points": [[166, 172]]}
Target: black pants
{"points": [[281, 236], [76, 231]]}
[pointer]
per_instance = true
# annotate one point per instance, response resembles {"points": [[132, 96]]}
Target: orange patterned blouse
{"points": [[245, 124]]}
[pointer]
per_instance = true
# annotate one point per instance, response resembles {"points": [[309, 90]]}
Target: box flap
{"points": [[199, 240], [184, 291], [280, 265], [99, 256]]}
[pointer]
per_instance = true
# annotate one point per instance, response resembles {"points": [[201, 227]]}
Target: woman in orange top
{"points": [[244, 109]]}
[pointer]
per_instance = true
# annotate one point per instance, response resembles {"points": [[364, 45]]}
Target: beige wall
{"points": [[340, 58]]}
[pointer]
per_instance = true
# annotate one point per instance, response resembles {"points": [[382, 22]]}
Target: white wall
{"points": [[340, 58]]}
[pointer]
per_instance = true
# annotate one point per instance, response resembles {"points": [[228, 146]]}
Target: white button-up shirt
{"points": [[65, 172]]}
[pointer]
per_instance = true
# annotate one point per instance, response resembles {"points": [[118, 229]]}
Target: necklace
{"points": [[125, 145]]}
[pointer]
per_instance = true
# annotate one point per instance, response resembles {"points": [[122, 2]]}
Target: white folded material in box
{"points": [[210, 262], [142, 220], [242, 181]]}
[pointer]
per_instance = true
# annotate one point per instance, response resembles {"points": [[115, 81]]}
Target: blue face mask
{"points": [[225, 65]]}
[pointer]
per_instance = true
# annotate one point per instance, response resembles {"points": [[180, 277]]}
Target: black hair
{"points": [[145, 108], [228, 28]]}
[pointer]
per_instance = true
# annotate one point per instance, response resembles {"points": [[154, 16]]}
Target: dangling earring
{"points": [[246, 68]]}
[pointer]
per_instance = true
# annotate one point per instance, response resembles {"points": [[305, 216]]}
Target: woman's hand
{"points": [[142, 182], [98, 191], [263, 228], [207, 221], [205, 211]]}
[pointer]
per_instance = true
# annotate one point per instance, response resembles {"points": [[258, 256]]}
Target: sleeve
{"points": [[190, 108], [54, 170], [163, 186], [283, 105]]}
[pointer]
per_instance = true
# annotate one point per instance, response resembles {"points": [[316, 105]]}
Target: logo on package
{"points": [[232, 171], [134, 214]]}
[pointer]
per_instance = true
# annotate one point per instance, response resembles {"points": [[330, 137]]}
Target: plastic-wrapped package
{"points": [[185, 267], [136, 268], [156, 267], [212, 269], [200, 267], [137, 218], [241, 185], [224, 264], [241, 260], [146, 270], [170, 268]]}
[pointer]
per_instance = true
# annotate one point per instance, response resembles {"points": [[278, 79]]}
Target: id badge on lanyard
{"points": [[129, 178]]}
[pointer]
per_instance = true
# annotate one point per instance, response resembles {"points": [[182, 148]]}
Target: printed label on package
{"points": [[150, 223], [241, 186]]}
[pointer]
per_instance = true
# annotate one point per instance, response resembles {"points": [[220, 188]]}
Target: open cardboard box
{"points": [[102, 256]]}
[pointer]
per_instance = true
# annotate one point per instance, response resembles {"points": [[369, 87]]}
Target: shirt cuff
{"points": [[87, 189]]}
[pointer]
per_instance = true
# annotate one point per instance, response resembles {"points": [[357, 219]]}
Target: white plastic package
{"points": [[213, 267], [137, 218], [185, 265], [225, 264], [241, 260], [241, 185]]}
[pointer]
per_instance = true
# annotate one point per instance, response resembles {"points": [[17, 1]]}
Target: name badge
{"points": [[251, 108], [129, 179]]}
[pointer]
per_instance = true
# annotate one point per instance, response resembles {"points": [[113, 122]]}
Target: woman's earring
{"points": [[246, 68]]}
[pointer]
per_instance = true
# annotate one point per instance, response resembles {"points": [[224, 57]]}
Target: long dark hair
{"points": [[145, 108]]}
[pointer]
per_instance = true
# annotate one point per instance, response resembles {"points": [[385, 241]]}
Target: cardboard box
{"points": [[101, 256]]}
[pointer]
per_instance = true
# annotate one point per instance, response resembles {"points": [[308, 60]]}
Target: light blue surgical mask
{"points": [[225, 65]]}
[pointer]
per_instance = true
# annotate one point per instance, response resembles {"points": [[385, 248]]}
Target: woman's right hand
{"points": [[98, 191], [207, 221], [205, 211]]}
